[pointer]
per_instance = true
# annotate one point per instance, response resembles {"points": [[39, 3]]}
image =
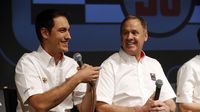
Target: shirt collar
{"points": [[46, 58], [198, 56], [129, 58]]}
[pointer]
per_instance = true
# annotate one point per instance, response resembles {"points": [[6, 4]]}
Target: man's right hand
{"points": [[88, 73]]}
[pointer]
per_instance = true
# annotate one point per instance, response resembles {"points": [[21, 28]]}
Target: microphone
{"points": [[78, 58], [159, 84]]}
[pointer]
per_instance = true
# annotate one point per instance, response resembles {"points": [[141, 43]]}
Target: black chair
{"points": [[10, 97]]}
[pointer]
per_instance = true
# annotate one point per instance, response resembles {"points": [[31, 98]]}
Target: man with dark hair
{"points": [[46, 79], [127, 78], [188, 84]]}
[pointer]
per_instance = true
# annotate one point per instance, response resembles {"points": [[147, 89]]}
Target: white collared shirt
{"points": [[36, 73], [124, 81], [188, 82]]}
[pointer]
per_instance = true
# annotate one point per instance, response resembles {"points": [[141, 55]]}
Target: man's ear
{"points": [[44, 33]]}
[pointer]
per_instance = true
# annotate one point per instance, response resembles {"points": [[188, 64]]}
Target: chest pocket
{"points": [[127, 85]]}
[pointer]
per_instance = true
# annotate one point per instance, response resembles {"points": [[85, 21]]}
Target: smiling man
{"points": [[127, 78], [46, 79]]}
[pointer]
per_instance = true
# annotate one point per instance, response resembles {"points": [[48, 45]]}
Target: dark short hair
{"points": [[198, 35], [142, 21], [45, 20]]}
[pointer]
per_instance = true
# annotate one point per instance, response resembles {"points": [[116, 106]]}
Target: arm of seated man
{"points": [[193, 107], [150, 105], [104, 107]]}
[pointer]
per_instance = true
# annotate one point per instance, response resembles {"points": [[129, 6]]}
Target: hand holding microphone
{"points": [[89, 75], [153, 103], [87, 72]]}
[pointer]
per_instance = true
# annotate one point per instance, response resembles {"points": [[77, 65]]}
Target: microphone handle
{"points": [[157, 94], [80, 63]]}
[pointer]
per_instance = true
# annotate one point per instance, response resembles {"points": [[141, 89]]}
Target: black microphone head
{"points": [[159, 83], [77, 57]]}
